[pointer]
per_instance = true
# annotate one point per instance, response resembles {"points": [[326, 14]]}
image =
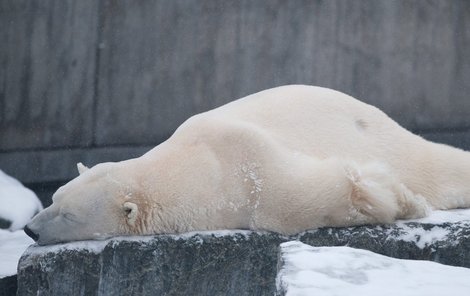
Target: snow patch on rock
{"points": [[440, 217]]}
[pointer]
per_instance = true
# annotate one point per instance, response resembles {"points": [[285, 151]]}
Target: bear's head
{"points": [[97, 204]]}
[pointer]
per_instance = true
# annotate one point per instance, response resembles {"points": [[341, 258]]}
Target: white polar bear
{"points": [[286, 159]]}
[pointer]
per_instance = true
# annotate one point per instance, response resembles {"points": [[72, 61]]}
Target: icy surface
{"points": [[12, 246], [18, 203], [327, 271]]}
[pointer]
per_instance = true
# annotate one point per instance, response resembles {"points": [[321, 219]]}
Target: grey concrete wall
{"points": [[105, 80], [47, 67]]}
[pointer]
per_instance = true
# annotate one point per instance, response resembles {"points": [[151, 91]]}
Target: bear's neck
{"points": [[184, 187]]}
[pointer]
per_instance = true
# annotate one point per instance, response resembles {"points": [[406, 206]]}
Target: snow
{"points": [[346, 271], [422, 237], [97, 246], [12, 246], [93, 246], [19, 204], [440, 217]]}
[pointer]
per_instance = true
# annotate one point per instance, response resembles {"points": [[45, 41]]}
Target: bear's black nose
{"points": [[31, 234]]}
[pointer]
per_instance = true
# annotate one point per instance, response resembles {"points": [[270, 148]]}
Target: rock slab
{"points": [[216, 263], [203, 264]]}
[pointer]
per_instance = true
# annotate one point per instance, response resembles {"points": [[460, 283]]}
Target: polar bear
{"points": [[286, 160]]}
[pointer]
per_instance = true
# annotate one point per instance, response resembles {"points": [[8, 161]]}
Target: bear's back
{"points": [[318, 121]]}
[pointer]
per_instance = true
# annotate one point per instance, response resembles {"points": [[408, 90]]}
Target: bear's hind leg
{"points": [[336, 193], [380, 197]]}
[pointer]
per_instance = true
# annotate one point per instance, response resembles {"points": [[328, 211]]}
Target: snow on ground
{"points": [[12, 246], [18, 203], [346, 271]]}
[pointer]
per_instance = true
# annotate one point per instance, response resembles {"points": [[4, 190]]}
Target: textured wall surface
{"points": [[81, 78], [47, 61]]}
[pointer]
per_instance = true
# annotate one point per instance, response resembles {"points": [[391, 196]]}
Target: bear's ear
{"points": [[131, 211], [81, 168]]}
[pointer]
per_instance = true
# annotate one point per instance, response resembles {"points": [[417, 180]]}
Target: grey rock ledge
{"points": [[216, 263]]}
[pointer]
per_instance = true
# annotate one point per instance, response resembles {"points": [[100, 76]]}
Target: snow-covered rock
{"points": [[18, 203], [219, 263], [305, 270], [209, 263]]}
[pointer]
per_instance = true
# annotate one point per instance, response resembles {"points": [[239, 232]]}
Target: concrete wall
{"points": [[106, 80]]}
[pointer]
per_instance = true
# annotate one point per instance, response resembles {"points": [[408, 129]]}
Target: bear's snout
{"points": [[31, 234]]}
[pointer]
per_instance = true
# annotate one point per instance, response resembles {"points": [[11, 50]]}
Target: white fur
{"points": [[286, 159]]}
